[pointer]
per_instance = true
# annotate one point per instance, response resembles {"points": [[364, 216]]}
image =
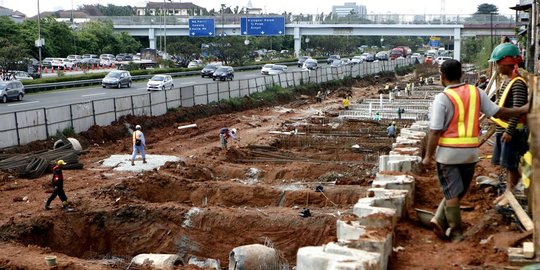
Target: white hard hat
{"points": [[233, 131], [137, 127]]}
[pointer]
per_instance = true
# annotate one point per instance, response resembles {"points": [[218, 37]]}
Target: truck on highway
{"points": [[149, 59], [400, 51]]}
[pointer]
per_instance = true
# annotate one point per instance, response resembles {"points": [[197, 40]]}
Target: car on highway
{"points": [[336, 63], [357, 60], [106, 61], [368, 57], [310, 64], [346, 61], [266, 69], [76, 59], [47, 62], [277, 69], [440, 60], [160, 82], [10, 90], [428, 59], [57, 62], [20, 75], [117, 78], [195, 64], [209, 70], [382, 56], [223, 73], [301, 60], [332, 58], [418, 57]]}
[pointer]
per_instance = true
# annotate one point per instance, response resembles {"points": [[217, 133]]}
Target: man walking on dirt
{"points": [[511, 135], [454, 140], [57, 182], [138, 145]]}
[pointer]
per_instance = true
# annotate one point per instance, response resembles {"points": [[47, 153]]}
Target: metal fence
{"points": [[18, 128]]}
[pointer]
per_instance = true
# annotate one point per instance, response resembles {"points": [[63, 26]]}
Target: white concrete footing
{"points": [[335, 257]]}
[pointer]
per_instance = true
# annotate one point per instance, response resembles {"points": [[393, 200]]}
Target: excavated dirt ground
{"points": [[213, 201]]}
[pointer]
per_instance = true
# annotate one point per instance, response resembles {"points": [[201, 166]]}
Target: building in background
{"points": [[169, 8], [349, 8], [15, 15]]}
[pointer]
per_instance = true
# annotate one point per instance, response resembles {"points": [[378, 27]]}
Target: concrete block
{"points": [[373, 215], [399, 182], [158, 261], [405, 142], [383, 160], [411, 151], [349, 230], [391, 198], [375, 241], [334, 257]]}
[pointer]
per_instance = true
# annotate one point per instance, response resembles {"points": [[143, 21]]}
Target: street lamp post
{"points": [[491, 28], [39, 43], [382, 40]]}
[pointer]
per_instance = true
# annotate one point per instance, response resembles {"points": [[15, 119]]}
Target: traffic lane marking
{"points": [[91, 95], [22, 103]]}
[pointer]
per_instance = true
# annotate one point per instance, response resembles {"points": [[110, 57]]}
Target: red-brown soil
{"points": [[211, 202]]}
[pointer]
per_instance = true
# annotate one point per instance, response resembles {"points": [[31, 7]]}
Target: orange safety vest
{"points": [[462, 132], [502, 100]]}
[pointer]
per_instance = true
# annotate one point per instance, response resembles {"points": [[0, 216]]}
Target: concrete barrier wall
{"points": [[27, 126]]}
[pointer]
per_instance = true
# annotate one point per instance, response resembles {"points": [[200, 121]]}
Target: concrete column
{"points": [[297, 41], [457, 43], [152, 38]]}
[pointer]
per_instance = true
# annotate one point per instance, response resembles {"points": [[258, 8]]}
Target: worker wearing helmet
{"points": [[138, 145], [510, 135], [224, 135], [58, 186], [453, 143]]}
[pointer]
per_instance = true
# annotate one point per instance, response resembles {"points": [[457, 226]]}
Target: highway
{"points": [[96, 92]]}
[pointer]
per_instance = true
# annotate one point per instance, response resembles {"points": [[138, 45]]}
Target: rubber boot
{"points": [[132, 162], [144, 160], [454, 231], [439, 222]]}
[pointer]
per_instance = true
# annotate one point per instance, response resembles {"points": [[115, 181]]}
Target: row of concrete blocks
{"points": [[365, 237]]}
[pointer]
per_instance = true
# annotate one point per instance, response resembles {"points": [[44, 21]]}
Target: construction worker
{"points": [[453, 142], [319, 96], [225, 134], [346, 103], [391, 130], [138, 145], [57, 182], [376, 118], [510, 136]]}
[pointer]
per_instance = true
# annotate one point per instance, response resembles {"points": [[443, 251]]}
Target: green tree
{"points": [[114, 10], [487, 9], [10, 53]]}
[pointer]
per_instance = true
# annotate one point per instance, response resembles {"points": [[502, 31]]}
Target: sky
{"points": [[29, 7]]}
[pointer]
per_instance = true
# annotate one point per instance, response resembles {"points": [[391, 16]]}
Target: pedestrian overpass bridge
{"points": [[454, 26]]}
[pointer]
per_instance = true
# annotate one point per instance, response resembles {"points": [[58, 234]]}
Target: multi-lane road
{"points": [[96, 92]]}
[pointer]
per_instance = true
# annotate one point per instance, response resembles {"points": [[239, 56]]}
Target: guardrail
{"points": [[18, 128], [57, 85]]}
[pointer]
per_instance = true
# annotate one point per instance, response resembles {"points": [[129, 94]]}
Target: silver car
{"points": [[11, 90], [160, 82]]}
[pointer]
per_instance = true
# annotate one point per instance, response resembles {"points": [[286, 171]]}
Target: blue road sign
{"points": [[434, 43], [262, 26], [202, 28]]}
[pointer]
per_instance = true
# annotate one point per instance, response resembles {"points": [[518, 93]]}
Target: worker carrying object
{"points": [[57, 182], [138, 145], [453, 143], [225, 134]]}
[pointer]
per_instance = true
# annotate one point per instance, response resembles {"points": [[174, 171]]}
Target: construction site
{"points": [[306, 184]]}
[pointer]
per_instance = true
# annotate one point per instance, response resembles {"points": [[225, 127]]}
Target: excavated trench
{"points": [[171, 228], [189, 211]]}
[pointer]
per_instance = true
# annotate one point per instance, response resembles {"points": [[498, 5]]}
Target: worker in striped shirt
{"points": [[511, 134]]}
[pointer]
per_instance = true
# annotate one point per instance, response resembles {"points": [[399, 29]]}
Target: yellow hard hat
{"points": [[60, 162]]}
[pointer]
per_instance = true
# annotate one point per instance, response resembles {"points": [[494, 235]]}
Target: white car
{"points": [[20, 75], [57, 62], [357, 60], [266, 69], [68, 63], [195, 64], [440, 60], [277, 69], [106, 61], [160, 82]]}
